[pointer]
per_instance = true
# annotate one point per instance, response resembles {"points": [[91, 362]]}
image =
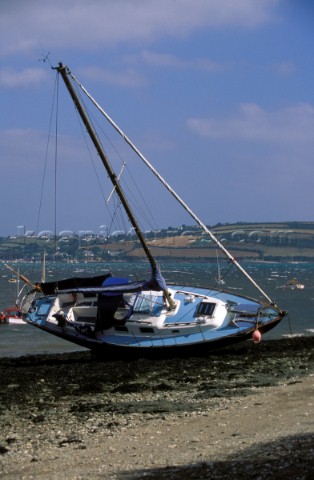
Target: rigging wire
{"points": [[173, 193], [46, 153], [117, 217], [56, 172], [87, 145], [147, 213], [44, 173], [111, 215], [116, 213]]}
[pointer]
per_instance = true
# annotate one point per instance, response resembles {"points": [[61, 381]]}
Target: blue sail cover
{"points": [[114, 285], [50, 288], [156, 282]]}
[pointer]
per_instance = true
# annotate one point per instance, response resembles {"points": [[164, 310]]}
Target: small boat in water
{"points": [[12, 315], [293, 284], [109, 314]]}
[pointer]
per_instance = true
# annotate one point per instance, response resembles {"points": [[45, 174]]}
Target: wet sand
{"points": [[245, 412]]}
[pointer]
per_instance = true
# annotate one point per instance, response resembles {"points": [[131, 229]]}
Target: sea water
{"points": [[17, 340]]}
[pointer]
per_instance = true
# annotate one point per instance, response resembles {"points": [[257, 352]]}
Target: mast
{"points": [[63, 70], [174, 194], [43, 271]]}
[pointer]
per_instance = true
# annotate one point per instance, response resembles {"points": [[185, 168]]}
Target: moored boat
{"points": [[11, 315], [293, 284]]}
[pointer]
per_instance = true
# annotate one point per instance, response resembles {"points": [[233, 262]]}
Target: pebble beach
{"points": [[243, 412]]}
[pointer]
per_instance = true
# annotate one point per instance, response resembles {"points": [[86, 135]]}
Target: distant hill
{"points": [[289, 241]]}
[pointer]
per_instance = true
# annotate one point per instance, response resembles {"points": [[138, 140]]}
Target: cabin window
{"points": [[44, 309], [205, 309], [148, 303]]}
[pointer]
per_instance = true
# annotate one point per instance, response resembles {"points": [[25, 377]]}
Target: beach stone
{"points": [[237, 412]]}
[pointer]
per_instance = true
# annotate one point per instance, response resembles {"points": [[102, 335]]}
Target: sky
{"points": [[218, 95]]}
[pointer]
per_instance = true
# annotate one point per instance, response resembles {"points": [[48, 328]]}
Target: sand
{"points": [[245, 412]]}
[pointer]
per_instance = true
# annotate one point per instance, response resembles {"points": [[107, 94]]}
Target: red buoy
{"points": [[256, 336]]}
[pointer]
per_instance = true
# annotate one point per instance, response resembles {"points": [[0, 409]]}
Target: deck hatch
{"points": [[205, 309]]}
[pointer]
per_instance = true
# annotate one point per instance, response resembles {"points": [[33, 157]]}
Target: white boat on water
{"points": [[12, 315], [109, 314]]}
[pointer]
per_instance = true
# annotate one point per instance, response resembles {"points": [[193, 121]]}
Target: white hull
{"points": [[15, 321], [201, 318]]}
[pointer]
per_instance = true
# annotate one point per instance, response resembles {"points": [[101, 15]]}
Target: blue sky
{"points": [[218, 95]]}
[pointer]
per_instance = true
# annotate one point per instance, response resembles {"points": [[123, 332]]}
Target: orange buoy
{"points": [[256, 336]]}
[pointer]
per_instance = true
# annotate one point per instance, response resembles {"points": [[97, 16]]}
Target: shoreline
{"points": [[246, 409], [52, 350]]}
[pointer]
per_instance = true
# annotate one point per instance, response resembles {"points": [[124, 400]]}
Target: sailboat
{"points": [[114, 315]]}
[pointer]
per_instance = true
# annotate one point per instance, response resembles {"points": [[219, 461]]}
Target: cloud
{"points": [[97, 24], [10, 78], [284, 68], [172, 61], [126, 78], [294, 124], [18, 144], [14, 141]]}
